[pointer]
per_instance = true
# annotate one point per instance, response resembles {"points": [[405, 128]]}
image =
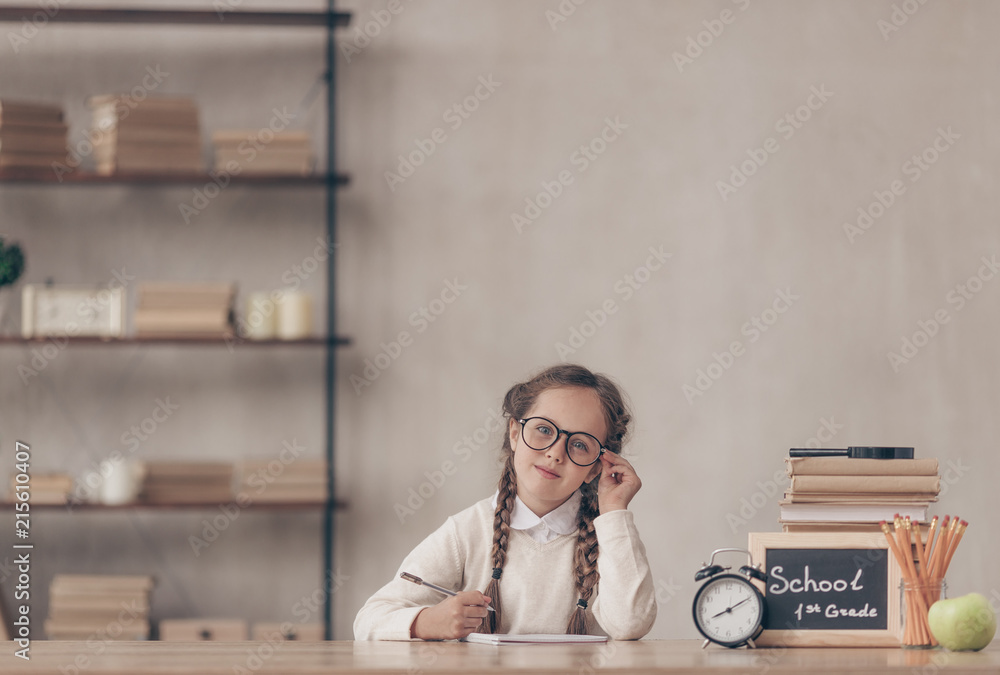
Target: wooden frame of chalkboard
{"points": [[828, 589]]}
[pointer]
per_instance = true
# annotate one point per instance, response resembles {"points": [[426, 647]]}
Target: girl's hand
{"points": [[454, 617], [618, 483]]}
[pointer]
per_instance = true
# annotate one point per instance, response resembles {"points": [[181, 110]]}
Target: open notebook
{"points": [[531, 638]]}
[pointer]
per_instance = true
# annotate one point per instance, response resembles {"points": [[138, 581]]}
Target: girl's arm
{"points": [[625, 602], [390, 613]]}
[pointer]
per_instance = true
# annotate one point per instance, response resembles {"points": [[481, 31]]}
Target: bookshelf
{"points": [[191, 342], [46, 178], [190, 506], [329, 182]]}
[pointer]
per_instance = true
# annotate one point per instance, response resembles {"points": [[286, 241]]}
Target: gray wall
{"points": [[703, 458]]}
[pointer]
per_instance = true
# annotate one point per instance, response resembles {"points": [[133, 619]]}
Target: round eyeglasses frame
{"points": [[560, 432]]}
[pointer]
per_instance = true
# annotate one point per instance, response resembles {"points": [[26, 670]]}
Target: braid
{"points": [[501, 536], [585, 558]]}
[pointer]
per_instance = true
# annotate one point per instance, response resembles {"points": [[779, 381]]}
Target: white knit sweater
{"points": [[537, 590]]}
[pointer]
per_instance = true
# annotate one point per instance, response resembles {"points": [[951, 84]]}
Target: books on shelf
{"points": [[270, 481], [83, 607], [159, 134], [252, 152], [175, 309], [186, 482], [46, 488], [32, 135], [845, 494]]}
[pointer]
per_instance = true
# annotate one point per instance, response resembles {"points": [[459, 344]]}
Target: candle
{"points": [[294, 320], [261, 317]]}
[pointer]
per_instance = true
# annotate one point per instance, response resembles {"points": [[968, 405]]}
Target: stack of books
{"points": [[47, 488], [103, 607], [155, 135], [32, 135], [846, 494], [251, 152], [187, 483], [185, 310], [269, 481]]}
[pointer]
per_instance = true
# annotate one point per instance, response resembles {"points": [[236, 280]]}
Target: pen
{"points": [[420, 582]]}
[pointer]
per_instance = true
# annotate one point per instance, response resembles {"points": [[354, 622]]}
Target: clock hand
{"points": [[739, 603], [730, 609]]}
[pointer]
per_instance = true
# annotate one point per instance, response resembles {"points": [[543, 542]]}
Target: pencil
{"points": [[420, 582], [959, 531]]}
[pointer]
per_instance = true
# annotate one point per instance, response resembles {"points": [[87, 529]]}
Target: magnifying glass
{"points": [[857, 452]]}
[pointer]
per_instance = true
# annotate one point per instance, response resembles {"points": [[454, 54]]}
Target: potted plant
{"points": [[11, 267]]}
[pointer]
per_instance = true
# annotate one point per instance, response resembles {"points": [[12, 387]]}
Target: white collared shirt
{"points": [[559, 521]]}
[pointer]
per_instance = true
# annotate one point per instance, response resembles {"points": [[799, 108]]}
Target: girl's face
{"points": [[547, 478]]}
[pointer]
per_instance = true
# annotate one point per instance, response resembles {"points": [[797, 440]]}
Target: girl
{"points": [[555, 548]]}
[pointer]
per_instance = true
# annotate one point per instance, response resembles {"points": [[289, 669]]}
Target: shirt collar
{"points": [[561, 520]]}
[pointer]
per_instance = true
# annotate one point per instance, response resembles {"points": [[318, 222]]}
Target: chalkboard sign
{"points": [[827, 589]]}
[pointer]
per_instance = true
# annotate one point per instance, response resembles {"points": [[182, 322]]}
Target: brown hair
{"points": [[516, 404]]}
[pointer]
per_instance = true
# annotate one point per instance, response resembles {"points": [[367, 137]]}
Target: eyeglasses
{"points": [[540, 434]]}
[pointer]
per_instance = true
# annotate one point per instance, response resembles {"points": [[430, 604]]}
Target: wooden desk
{"points": [[428, 658]]}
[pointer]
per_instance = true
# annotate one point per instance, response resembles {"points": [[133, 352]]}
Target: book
{"points": [[848, 484], [97, 584], [848, 466], [32, 143], [32, 160], [860, 498], [128, 101], [850, 512], [843, 526], [234, 137], [21, 111], [532, 638]]}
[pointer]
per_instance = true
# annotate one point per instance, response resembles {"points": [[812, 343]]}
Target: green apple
{"points": [[964, 623]]}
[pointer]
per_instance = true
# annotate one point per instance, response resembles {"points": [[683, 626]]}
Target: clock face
{"points": [[728, 609]]}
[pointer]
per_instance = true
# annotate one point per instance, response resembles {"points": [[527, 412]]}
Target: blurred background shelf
{"points": [[142, 506], [181, 17], [48, 177], [107, 342]]}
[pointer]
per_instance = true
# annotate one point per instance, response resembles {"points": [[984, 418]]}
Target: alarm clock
{"points": [[728, 609]]}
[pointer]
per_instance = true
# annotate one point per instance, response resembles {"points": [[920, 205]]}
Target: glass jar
{"points": [[915, 598]]}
